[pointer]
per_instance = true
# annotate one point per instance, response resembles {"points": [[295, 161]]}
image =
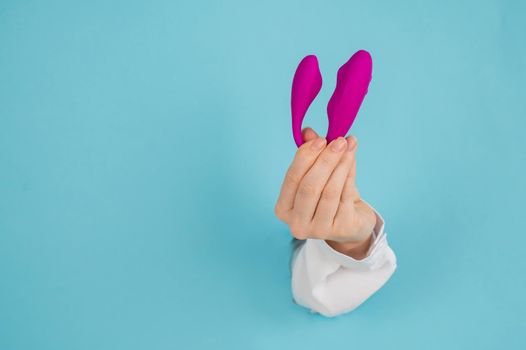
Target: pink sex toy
{"points": [[352, 83]]}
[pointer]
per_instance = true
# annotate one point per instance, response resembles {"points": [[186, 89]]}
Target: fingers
{"points": [[303, 161], [350, 192], [308, 134], [331, 195], [312, 184], [352, 173]]}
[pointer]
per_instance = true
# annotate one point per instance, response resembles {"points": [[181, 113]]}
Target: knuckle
{"points": [[292, 179], [307, 189], [279, 212], [325, 161], [298, 231], [330, 193]]}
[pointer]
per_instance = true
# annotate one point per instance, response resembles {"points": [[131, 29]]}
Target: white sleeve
{"points": [[332, 283]]}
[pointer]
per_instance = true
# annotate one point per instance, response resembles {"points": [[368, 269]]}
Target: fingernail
{"points": [[338, 144], [318, 144], [351, 143]]}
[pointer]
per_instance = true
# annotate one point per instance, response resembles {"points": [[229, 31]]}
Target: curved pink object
{"points": [[305, 86], [351, 87]]}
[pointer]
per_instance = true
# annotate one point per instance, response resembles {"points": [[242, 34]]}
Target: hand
{"points": [[319, 198]]}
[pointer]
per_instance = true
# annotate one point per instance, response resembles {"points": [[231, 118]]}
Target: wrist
{"points": [[355, 249]]}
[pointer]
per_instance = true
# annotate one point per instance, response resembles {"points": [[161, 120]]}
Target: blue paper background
{"points": [[142, 145]]}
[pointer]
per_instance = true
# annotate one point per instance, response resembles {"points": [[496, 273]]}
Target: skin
{"points": [[319, 198]]}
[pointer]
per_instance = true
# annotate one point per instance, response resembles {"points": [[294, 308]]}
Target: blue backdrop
{"points": [[143, 143]]}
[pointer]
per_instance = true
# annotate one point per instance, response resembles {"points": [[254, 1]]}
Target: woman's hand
{"points": [[319, 198]]}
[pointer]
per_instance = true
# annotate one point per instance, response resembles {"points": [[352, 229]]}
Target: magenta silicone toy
{"points": [[351, 87], [305, 86]]}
